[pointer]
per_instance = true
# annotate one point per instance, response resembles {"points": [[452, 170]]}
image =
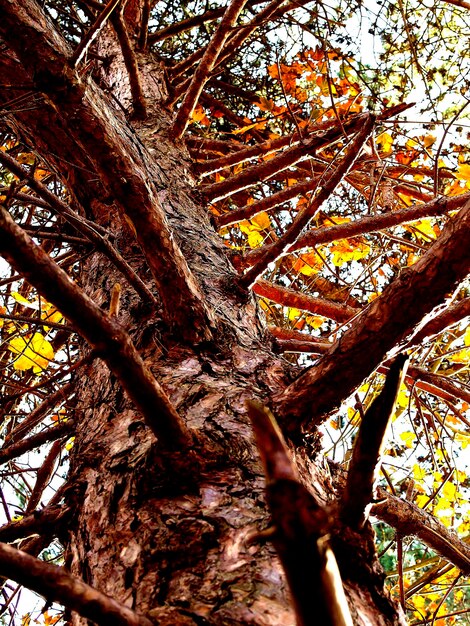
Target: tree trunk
{"points": [[170, 533]]}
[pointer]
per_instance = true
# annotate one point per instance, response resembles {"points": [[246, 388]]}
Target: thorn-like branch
{"points": [[369, 224], [90, 230], [102, 332], [93, 33], [380, 327], [300, 533], [138, 99], [56, 585], [306, 214], [262, 171], [206, 66], [360, 484], [36, 523], [304, 302], [409, 519]]}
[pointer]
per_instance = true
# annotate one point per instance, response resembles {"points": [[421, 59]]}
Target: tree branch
{"points": [[359, 490], [300, 531], [262, 171], [408, 519], [205, 67], [305, 214], [82, 225], [35, 523], [379, 328], [298, 300], [93, 33], [102, 332], [369, 224], [7, 453], [56, 585], [130, 61], [122, 166]]}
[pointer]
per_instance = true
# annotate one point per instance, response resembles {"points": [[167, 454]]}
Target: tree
{"points": [[148, 193]]}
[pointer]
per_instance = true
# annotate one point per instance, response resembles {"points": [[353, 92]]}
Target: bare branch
{"points": [[102, 332], [306, 214], [369, 224], [130, 61], [202, 73], [380, 327], [38, 522], [56, 585], [84, 226], [121, 166], [408, 519], [312, 304], [93, 33], [359, 491], [300, 529], [7, 453], [262, 171]]}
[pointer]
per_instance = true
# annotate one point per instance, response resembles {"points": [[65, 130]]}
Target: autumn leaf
{"points": [[35, 352], [345, 251]]}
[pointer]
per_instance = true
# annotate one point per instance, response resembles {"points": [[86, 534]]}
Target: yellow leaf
{"points": [[466, 338], [419, 472], [384, 142], [463, 172], [408, 437], [22, 300], [261, 221], [344, 251], [315, 321], [35, 351], [293, 313], [69, 444], [255, 239]]}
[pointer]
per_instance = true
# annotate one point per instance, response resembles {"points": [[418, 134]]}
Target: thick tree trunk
{"points": [[173, 534]]}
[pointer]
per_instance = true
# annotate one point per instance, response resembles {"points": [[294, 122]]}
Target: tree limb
{"points": [[56, 585], [359, 490], [205, 67], [102, 332], [379, 328]]}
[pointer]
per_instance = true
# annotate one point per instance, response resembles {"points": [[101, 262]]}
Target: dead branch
{"points": [[262, 171], [7, 453], [205, 67], [117, 163], [102, 332], [408, 519], [306, 213], [130, 61], [360, 485], [380, 327], [35, 523], [43, 475], [364, 225], [304, 302], [82, 225], [56, 585], [93, 33], [35, 417], [300, 531]]}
